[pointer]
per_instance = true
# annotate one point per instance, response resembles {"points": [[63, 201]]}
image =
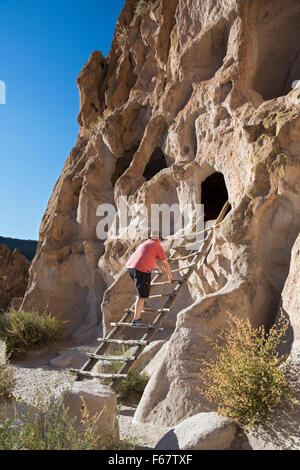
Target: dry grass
{"points": [[23, 331], [41, 421], [7, 382], [141, 7], [89, 130], [54, 429]]}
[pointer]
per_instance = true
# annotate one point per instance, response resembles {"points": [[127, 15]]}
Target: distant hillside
{"points": [[27, 247]]}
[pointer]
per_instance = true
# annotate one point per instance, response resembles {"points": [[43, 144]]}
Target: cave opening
{"points": [[214, 195], [277, 52], [206, 55], [156, 163], [123, 163]]}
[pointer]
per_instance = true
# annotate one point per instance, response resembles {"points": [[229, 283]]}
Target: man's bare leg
{"points": [[139, 305]]}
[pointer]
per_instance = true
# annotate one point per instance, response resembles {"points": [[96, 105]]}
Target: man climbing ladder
{"points": [[140, 266], [113, 338]]}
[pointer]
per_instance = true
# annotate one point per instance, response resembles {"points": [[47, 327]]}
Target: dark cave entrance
{"points": [[156, 163], [277, 51], [214, 195], [123, 163]]}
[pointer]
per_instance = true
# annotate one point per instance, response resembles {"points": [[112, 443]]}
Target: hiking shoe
{"points": [[136, 323]]}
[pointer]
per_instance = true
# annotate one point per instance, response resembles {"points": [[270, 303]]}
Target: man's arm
{"points": [[168, 270], [159, 268]]}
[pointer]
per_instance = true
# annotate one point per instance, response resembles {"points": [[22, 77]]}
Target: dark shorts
{"points": [[142, 282]]}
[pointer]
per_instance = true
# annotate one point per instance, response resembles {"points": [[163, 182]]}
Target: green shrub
{"points": [[54, 430], [133, 386], [245, 380], [141, 7], [7, 382], [23, 331]]}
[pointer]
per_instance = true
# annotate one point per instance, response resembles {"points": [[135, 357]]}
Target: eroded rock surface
{"points": [[205, 431], [291, 299], [193, 104], [94, 400], [13, 276]]}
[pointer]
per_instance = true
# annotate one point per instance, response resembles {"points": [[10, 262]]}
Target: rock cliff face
{"points": [[193, 104], [13, 275], [291, 299]]}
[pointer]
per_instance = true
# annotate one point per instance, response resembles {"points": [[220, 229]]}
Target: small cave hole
{"points": [[214, 195], [225, 90], [277, 53], [123, 163], [76, 186], [156, 163], [206, 56]]}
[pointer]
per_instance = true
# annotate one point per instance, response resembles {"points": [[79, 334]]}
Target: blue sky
{"points": [[43, 46]]}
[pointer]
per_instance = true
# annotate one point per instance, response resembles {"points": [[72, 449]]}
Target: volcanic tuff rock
{"points": [[290, 297], [205, 431], [193, 104], [94, 400], [13, 275]]}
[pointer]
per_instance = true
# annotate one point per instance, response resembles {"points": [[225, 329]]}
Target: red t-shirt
{"points": [[145, 256]]}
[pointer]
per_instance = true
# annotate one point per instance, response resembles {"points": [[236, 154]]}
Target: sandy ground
{"points": [[36, 379]]}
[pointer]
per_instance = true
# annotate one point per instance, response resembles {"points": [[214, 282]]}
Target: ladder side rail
{"points": [[89, 364], [209, 229], [103, 346], [137, 351]]}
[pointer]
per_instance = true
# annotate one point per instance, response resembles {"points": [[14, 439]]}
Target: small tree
{"points": [[245, 380]]}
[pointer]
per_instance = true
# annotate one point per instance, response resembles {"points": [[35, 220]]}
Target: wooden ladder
{"points": [[138, 345]]}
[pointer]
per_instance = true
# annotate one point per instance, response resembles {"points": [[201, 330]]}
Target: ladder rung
{"points": [[99, 376], [165, 282], [133, 342], [148, 309], [157, 296], [153, 310], [112, 358], [185, 267], [185, 257], [146, 325]]}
